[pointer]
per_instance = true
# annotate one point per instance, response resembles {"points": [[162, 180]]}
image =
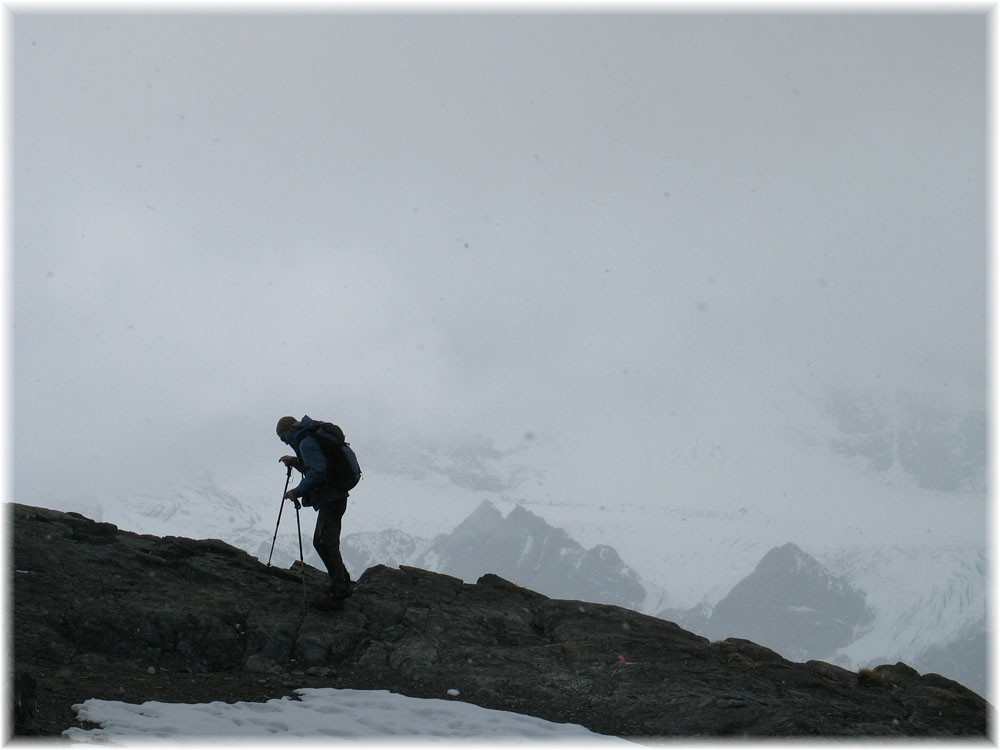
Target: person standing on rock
{"points": [[323, 489]]}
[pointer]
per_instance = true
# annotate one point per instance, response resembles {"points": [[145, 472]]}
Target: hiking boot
{"points": [[342, 593], [339, 593]]}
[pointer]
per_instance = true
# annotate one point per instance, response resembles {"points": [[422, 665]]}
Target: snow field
{"points": [[321, 714]]}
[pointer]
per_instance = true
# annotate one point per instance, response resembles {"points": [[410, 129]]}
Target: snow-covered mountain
{"points": [[520, 547], [929, 606], [792, 604], [200, 509], [885, 491]]}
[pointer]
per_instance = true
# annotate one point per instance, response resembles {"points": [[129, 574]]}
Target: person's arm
{"points": [[314, 467]]}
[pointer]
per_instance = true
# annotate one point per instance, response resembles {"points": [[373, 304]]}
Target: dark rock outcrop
{"points": [[100, 612]]}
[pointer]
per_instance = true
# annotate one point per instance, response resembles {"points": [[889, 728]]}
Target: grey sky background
{"points": [[445, 225]]}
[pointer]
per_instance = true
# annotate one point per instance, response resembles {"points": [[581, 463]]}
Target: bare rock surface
{"points": [[104, 613]]}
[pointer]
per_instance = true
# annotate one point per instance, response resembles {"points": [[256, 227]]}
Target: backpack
{"points": [[342, 464]]}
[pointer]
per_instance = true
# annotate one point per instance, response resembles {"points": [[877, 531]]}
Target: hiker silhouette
{"points": [[323, 488]]}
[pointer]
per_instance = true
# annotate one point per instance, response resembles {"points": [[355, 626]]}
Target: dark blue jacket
{"points": [[315, 488]]}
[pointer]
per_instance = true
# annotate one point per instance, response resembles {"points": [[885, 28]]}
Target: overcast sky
{"points": [[448, 225]]}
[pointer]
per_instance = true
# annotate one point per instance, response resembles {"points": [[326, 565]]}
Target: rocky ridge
{"points": [[105, 613]]}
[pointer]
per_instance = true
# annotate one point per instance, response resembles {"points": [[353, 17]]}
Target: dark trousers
{"points": [[326, 540]]}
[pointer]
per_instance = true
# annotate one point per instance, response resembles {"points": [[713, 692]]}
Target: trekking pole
{"points": [[302, 560], [281, 507]]}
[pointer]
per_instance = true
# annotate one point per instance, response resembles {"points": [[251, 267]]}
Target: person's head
{"points": [[285, 424]]}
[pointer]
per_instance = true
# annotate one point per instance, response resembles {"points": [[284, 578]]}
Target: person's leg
{"points": [[326, 540]]}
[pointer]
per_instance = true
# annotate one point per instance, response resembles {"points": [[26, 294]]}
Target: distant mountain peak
{"points": [[485, 514], [792, 602], [521, 547], [788, 557]]}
